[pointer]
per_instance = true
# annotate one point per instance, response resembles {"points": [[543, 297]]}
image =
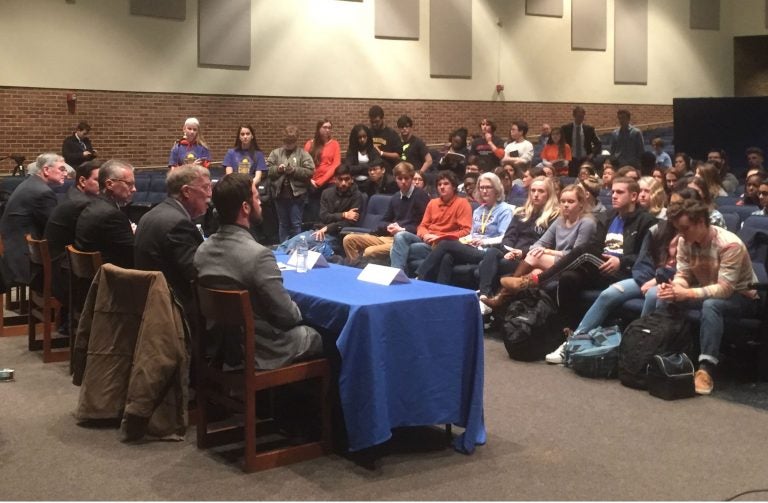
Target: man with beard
{"points": [[232, 259]]}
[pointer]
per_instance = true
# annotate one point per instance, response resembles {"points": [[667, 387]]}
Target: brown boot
{"points": [[515, 285], [498, 301]]}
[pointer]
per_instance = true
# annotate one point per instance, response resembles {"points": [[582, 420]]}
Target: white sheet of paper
{"points": [[382, 275], [314, 259]]}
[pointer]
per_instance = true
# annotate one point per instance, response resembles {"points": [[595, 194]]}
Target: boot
{"points": [[498, 301], [515, 285]]}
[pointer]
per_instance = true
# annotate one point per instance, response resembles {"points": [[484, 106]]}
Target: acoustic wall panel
{"points": [[224, 33], [170, 9], [705, 14], [397, 19], [550, 8], [630, 42], [589, 21], [450, 38], [766, 13]]}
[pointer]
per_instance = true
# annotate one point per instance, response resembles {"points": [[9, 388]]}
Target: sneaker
{"points": [[703, 382], [556, 357], [484, 310]]}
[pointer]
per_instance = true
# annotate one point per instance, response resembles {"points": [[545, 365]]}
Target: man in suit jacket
{"points": [[166, 237], [60, 229], [589, 146], [102, 226], [77, 148], [27, 212], [232, 259]]}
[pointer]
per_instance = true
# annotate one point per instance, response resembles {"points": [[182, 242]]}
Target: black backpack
{"points": [[661, 332], [532, 327]]}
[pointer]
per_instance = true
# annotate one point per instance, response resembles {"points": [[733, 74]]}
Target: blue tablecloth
{"points": [[412, 354]]}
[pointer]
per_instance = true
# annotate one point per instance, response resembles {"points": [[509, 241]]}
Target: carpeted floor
{"points": [[551, 436]]}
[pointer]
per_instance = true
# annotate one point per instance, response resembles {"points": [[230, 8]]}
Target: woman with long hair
{"points": [[711, 176], [699, 185], [326, 153], [573, 228], [529, 222], [489, 223], [360, 152], [557, 149], [246, 156], [652, 197]]}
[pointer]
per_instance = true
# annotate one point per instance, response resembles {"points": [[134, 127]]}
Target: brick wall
{"points": [[141, 127]]}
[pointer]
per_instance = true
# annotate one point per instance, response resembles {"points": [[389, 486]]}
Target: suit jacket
{"points": [[166, 241], [60, 229], [592, 144], [72, 150], [26, 212], [104, 228], [232, 259]]}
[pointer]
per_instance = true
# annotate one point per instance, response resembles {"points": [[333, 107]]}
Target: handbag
{"points": [[670, 376]]}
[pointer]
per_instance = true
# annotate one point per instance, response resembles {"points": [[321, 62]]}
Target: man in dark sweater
{"points": [[339, 208], [405, 211]]}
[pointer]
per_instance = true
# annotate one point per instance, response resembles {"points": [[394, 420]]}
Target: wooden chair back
{"points": [[83, 264], [44, 307], [233, 308]]}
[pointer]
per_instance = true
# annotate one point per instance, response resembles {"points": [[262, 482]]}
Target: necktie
{"points": [[578, 142]]}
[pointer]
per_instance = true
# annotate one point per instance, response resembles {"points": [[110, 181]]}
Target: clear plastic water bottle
{"points": [[302, 251]]}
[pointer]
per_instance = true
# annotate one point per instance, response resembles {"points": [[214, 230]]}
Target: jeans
{"points": [[438, 266], [405, 247], [611, 298], [325, 247], [711, 325], [290, 211], [492, 266]]}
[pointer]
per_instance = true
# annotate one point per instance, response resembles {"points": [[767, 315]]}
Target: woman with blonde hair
{"points": [[652, 197], [529, 223], [191, 148], [573, 228]]}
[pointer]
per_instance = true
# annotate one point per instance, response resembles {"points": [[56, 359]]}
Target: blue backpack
{"points": [[594, 353]]}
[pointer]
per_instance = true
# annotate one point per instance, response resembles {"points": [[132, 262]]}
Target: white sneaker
{"points": [[485, 310], [556, 357]]}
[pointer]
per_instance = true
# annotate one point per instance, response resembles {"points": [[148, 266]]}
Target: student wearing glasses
{"points": [[102, 226]]}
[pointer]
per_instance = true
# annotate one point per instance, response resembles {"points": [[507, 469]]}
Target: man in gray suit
{"points": [[27, 212], [232, 259]]}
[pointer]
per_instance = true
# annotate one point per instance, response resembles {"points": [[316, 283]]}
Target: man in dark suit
{"points": [[27, 212], [102, 226], [166, 238], [589, 144], [60, 229], [77, 148]]}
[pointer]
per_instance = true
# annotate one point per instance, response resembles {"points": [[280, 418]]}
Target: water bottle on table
{"points": [[302, 252]]}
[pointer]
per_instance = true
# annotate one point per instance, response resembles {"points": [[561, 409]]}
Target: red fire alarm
{"points": [[71, 102], [499, 88]]}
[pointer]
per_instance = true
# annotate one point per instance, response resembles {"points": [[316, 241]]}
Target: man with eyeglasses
{"points": [[27, 211], [166, 237], [103, 226]]}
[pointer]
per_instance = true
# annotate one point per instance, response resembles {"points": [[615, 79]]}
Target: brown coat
{"points": [[130, 355]]}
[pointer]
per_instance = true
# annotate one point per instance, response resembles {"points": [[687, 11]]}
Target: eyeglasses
{"points": [[206, 187], [130, 185], [485, 187]]}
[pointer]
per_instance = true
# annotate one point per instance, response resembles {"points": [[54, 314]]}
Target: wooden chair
{"points": [[236, 390], [15, 322], [82, 269], [43, 306]]}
